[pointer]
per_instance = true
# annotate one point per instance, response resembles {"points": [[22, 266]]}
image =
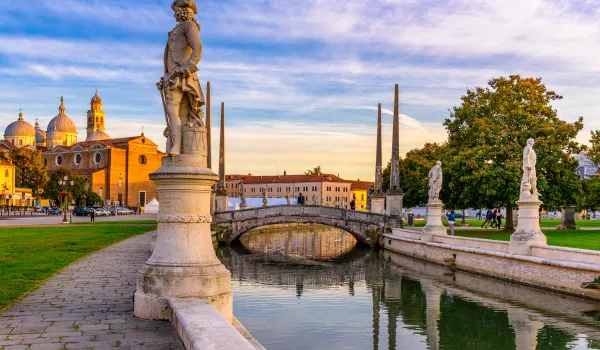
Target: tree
{"points": [[92, 198], [314, 171], [30, 170], [487, 134], [53, 189]]}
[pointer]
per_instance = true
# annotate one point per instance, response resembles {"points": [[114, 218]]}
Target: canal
{"points": [[312, 287]]}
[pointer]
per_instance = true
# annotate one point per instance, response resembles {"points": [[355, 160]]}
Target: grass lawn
{"points": [[29, 256], [545, 223], [572, 239]]}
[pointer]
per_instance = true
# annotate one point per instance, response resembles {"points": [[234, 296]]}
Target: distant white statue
{"points": [[242, 197], [529, 181], [435, 182], [314, 199], [265, 199], [287, 198]]}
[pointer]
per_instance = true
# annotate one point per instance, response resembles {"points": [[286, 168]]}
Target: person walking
{"points": [[494, 214], [451, 221], [488, 219], [353, 204], [301, 199], [499, 219], [92, 215]]}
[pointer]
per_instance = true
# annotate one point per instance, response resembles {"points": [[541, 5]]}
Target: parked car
{"points": [[81, 212], [101, 212], [45, 209], [55, 211]]}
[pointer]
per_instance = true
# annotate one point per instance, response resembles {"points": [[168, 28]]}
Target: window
{"points": [[305, 188], [77, 159], [6, 173], [20, 142], [362, 197], [314, 188], [253, 190], [328, 188], [270, 190], [59, 160], [97, 158], [143, 159]]}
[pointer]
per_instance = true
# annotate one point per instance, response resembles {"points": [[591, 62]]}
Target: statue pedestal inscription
{"points": [[378, 204], [183, 264], [434, 224]]}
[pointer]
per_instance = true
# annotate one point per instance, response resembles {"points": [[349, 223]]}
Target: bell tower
{"points": [[95, 116]]}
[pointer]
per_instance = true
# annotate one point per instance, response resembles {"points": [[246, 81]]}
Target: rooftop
{"points": [[249, 179]]}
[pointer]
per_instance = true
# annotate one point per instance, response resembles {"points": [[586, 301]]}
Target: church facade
{"points": [[116, 169]]}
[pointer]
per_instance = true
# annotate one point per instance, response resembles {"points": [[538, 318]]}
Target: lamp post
{"points": [[64, 195]]}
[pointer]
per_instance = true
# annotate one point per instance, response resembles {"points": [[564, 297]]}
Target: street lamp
{"points": [[64, 194]]}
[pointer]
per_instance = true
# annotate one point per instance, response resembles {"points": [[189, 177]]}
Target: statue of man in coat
{"points": [[180, 88]]}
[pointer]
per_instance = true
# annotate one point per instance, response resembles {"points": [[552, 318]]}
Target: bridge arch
{"points": [[362, 226]]}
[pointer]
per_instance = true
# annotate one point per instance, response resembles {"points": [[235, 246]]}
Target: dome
{"points": [[96, 99], [61, 122], [19, 128], [53, 135], [98, 136], [40, 135]]}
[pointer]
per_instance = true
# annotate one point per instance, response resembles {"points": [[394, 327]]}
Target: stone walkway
{"points": [[88, 306]]}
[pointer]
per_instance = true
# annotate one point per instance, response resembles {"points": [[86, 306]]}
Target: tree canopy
{"points": [[78, 192], [315, 171], [30, 170]]}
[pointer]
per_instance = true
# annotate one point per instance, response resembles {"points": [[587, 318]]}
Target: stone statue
{"points": [[265, 198], [529, 181], [435, 182], [180, 90], [314, 199], [242, 196], [287, 198]]}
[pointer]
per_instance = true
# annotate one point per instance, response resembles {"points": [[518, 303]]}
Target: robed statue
{"points": [[180, 89], [529, 180], [435, 182], [242, 196], [265, 198]]}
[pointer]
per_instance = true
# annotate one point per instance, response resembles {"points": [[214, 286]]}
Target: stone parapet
{"points": [[490, 258]]}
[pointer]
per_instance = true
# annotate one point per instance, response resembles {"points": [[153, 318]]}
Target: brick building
{"points": [[329, 190]]}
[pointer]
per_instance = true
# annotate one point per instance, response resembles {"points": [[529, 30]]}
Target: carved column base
{"points": [[393, 206], [378, 204], [567, 221], [528, 231], [434, 225], [183, 263], [222, 202]]}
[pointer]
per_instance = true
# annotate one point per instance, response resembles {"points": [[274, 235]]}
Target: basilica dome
{"points": [[98, 136], [40, 135], [19, 128], [62, 122]]}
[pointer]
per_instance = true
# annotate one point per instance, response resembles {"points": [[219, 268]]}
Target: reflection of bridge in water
{"points": [[448, 307]]}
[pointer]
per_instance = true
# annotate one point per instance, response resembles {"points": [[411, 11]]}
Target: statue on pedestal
{"points": [[242, 197], [314, 199], [435, 182], [180, 90], [287, 198], [265, 198], [529, 180]]}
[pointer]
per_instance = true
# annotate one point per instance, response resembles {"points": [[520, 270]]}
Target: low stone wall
{"points": [[548, 268], [201, 326]]}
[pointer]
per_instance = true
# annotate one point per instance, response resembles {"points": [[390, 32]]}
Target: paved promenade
{"points": [[88, 306], [41, 219]]}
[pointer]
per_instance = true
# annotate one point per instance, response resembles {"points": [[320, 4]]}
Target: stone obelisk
{"points": [[183, 263], [209, 144], [378, 197], [221, 195], [395, 195]]}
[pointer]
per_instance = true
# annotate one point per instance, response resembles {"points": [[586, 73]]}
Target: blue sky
{"points": [[301, 79]]}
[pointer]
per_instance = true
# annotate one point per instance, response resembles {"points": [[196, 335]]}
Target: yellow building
{"points": [[359, 189], [7, 181]]}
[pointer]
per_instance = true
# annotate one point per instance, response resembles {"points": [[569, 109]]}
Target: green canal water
{"points": [[311, 287]]}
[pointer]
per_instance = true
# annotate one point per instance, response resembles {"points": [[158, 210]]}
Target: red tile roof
{"points": [[360, 185], [291, 179], [5, 163], [7, 144]]}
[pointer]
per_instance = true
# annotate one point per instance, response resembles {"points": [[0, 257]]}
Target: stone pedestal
{"points": [[222, 202], [393, 207], [567, 221], [183, 264], [434, 225], [378, 204], [528, 231]]}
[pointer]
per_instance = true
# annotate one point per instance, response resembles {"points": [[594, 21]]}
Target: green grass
{"points": [[545, 223], [571, 239], [104, 223], [30, 256]]}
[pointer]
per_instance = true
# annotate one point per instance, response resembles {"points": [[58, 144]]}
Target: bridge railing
{"points": [[299, 210]]}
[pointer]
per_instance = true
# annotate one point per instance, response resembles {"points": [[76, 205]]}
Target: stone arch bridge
{"points": [[365, 227]]}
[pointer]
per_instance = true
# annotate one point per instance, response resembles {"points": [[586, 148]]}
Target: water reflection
{"points": [[368, 299]]}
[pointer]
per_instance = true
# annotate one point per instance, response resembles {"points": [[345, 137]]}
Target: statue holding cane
{"points": [[180, 89]]}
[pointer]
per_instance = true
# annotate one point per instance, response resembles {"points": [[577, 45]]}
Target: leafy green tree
{"points": [[30, 169], [53, 188], [314, 171], [487, 134], [92, 198]]}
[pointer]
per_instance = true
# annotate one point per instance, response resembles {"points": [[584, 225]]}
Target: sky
{"points": [[301, 79]]}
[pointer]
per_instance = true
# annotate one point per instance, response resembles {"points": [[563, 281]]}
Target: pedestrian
{"points": [[479, 214], [451, 221], [92, 215], [353, 204], [488, 219], [301, 199], [499, 218], [494, 216]]}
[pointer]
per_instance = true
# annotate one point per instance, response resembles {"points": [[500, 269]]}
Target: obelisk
{"points": [[378, 197], [395, 195], [208, 127], [221, 195]]}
